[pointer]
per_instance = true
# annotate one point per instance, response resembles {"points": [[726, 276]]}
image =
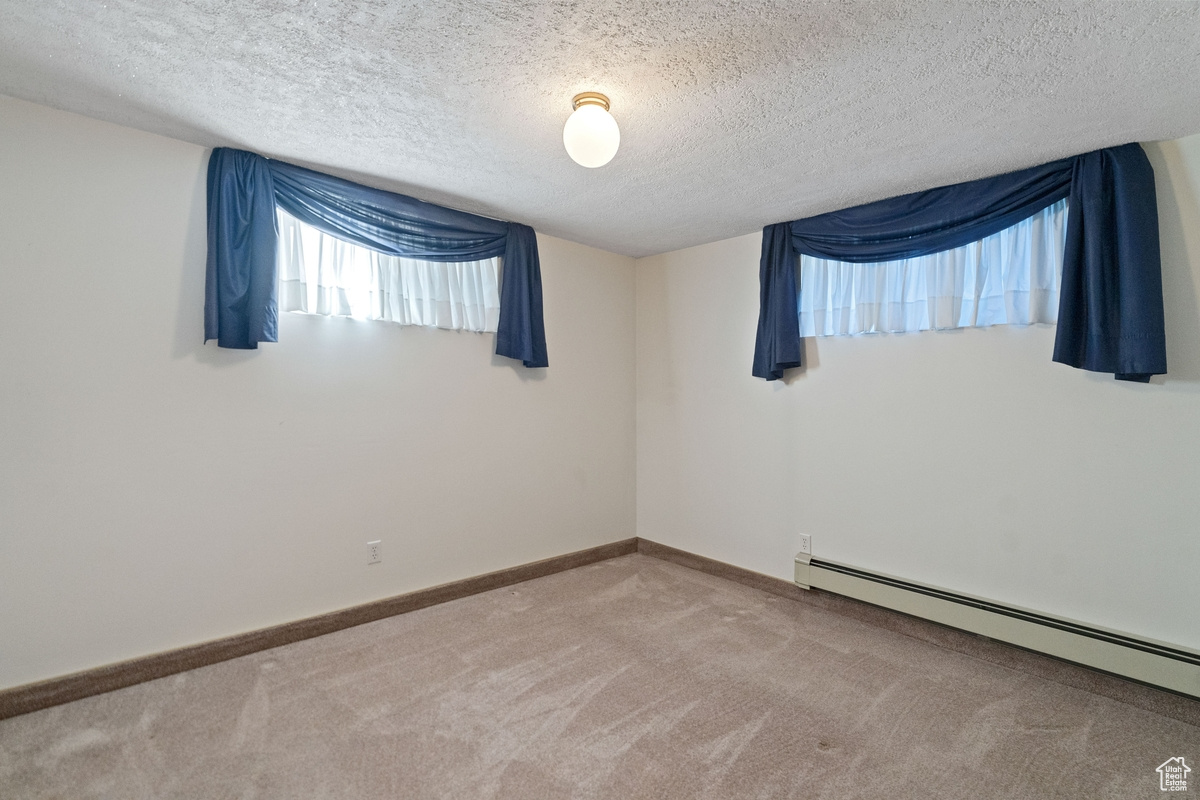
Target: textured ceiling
{"points": [[733, 113]]}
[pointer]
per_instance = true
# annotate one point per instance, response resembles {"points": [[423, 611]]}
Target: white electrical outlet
{"points": [[374, 555], [806, 544]]}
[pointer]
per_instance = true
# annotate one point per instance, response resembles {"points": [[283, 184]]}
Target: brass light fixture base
{"points": [[589, 99]]}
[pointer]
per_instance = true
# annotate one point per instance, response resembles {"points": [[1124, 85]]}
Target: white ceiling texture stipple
{"points": [[733, 113]]}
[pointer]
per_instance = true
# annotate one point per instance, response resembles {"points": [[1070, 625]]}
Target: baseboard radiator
{"points": [[1156, 663]]}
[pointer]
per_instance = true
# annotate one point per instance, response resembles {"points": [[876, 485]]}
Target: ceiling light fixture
{"points": [[591, 135]]}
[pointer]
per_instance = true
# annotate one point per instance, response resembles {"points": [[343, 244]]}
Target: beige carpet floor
{"points": [[631, 678]]}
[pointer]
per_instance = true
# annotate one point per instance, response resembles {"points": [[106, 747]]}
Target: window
{"points": [[1010, 277], [321, 274]]}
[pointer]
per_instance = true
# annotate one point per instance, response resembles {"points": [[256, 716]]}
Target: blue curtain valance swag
{"points": [[1110, 299], [240, 306]]}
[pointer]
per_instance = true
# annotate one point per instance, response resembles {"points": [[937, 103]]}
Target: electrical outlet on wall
{"points": [[805, 544], [374, 556]]}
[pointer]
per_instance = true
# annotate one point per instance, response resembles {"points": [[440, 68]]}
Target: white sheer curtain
{"points": [[321, 274], [1009, 277]]}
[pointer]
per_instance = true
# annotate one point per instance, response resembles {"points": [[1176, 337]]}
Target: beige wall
{"points": [[155, 492], [964, 459]]}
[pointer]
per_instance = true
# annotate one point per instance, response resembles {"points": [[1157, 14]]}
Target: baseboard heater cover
{"points": [[1157, 663]]}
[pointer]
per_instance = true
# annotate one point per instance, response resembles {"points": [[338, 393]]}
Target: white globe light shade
{"points": [[591, 135]]}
